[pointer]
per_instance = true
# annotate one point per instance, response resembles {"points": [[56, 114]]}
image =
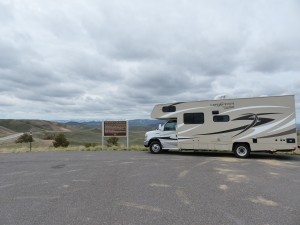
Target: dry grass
{"points": [[25, 148]]}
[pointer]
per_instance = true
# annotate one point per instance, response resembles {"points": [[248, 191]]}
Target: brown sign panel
{"points": [[115, 128]]}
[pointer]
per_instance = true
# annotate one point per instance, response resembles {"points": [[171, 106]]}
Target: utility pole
{"points": [[30, 133]]}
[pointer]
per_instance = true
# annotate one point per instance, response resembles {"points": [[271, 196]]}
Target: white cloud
{"points": [[116, 59]]}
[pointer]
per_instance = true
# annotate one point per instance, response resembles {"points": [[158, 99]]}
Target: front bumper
{"points": [[146, 143]]}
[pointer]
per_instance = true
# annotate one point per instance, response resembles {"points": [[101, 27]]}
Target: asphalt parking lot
{"points": [[140, 188]]}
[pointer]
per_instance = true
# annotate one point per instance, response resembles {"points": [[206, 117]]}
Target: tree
{"points": [[112, 141], [60, 140], [25, 138]]}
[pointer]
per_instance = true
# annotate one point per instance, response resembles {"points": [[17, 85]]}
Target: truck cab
{"points": [[165, 137]]}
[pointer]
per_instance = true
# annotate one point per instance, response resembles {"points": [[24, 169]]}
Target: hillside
{"points": [[20, 126], [5, 132]]}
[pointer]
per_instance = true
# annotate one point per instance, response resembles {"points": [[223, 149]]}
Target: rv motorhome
{"points": [[241, 125]]}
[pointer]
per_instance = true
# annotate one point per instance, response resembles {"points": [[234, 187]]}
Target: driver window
{"points": [[171, 125]]}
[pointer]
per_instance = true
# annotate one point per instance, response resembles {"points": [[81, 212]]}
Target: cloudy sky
{"points": [[115, 59]]}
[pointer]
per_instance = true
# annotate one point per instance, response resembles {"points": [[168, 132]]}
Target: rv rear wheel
{"points": [[241, 150], [155, 147]]}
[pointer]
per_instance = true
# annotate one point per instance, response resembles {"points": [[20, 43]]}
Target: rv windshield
{"points": [[170, 125]]}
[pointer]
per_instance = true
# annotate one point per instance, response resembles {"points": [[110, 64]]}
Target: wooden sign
{"points": [[115, 128]]}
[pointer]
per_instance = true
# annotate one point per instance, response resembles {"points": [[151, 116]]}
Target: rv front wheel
{"points": [[241, 150], [155, 147]]}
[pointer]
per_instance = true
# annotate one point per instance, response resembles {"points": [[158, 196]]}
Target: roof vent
{"points": [[219, 97]]}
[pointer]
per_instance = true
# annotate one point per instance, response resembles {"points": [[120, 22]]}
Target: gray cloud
{"points": [[112, 59], [9, 56]]}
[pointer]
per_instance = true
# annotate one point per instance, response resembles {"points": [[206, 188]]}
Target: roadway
{"points": [[120, 187]]}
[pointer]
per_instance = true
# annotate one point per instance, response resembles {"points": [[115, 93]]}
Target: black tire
{"points": [[155, 147], [241, 150]]}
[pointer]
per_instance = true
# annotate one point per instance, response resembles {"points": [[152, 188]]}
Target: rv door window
{"points": [[223, 118], [171, 125], [193, 118]]}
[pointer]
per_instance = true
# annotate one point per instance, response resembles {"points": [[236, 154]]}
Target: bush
{"points": [[112, 141], [60, 141], [25, 138], [87, 145]]}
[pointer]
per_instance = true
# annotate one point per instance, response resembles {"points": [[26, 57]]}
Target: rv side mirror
{"points": [[159, 127]]}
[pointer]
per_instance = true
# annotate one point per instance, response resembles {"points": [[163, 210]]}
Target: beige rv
{"points": [[240, 125]]}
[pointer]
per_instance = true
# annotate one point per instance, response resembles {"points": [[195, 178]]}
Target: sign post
{"points": [[115, 129], [30, 140]]}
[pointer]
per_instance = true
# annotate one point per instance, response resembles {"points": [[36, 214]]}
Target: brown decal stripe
{"points": [[249, 116], [262, 121], [292, 131], [263, 114], [249, 126], [177, 103], [166, 138], [256, 121]]}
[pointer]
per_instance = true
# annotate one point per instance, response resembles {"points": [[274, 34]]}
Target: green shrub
{"points": [[88, 145], [60, 140], [25, 138], [112, 141]]}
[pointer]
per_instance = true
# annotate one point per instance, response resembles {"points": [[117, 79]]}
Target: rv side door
{"points": [[169, 140]]}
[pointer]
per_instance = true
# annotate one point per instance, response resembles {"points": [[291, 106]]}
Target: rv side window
{"points": [[223, 118], [170, 108], [193, 118]]}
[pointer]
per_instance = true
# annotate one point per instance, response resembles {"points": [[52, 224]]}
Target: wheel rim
{"points": [[156, 148], [241, 151]]}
